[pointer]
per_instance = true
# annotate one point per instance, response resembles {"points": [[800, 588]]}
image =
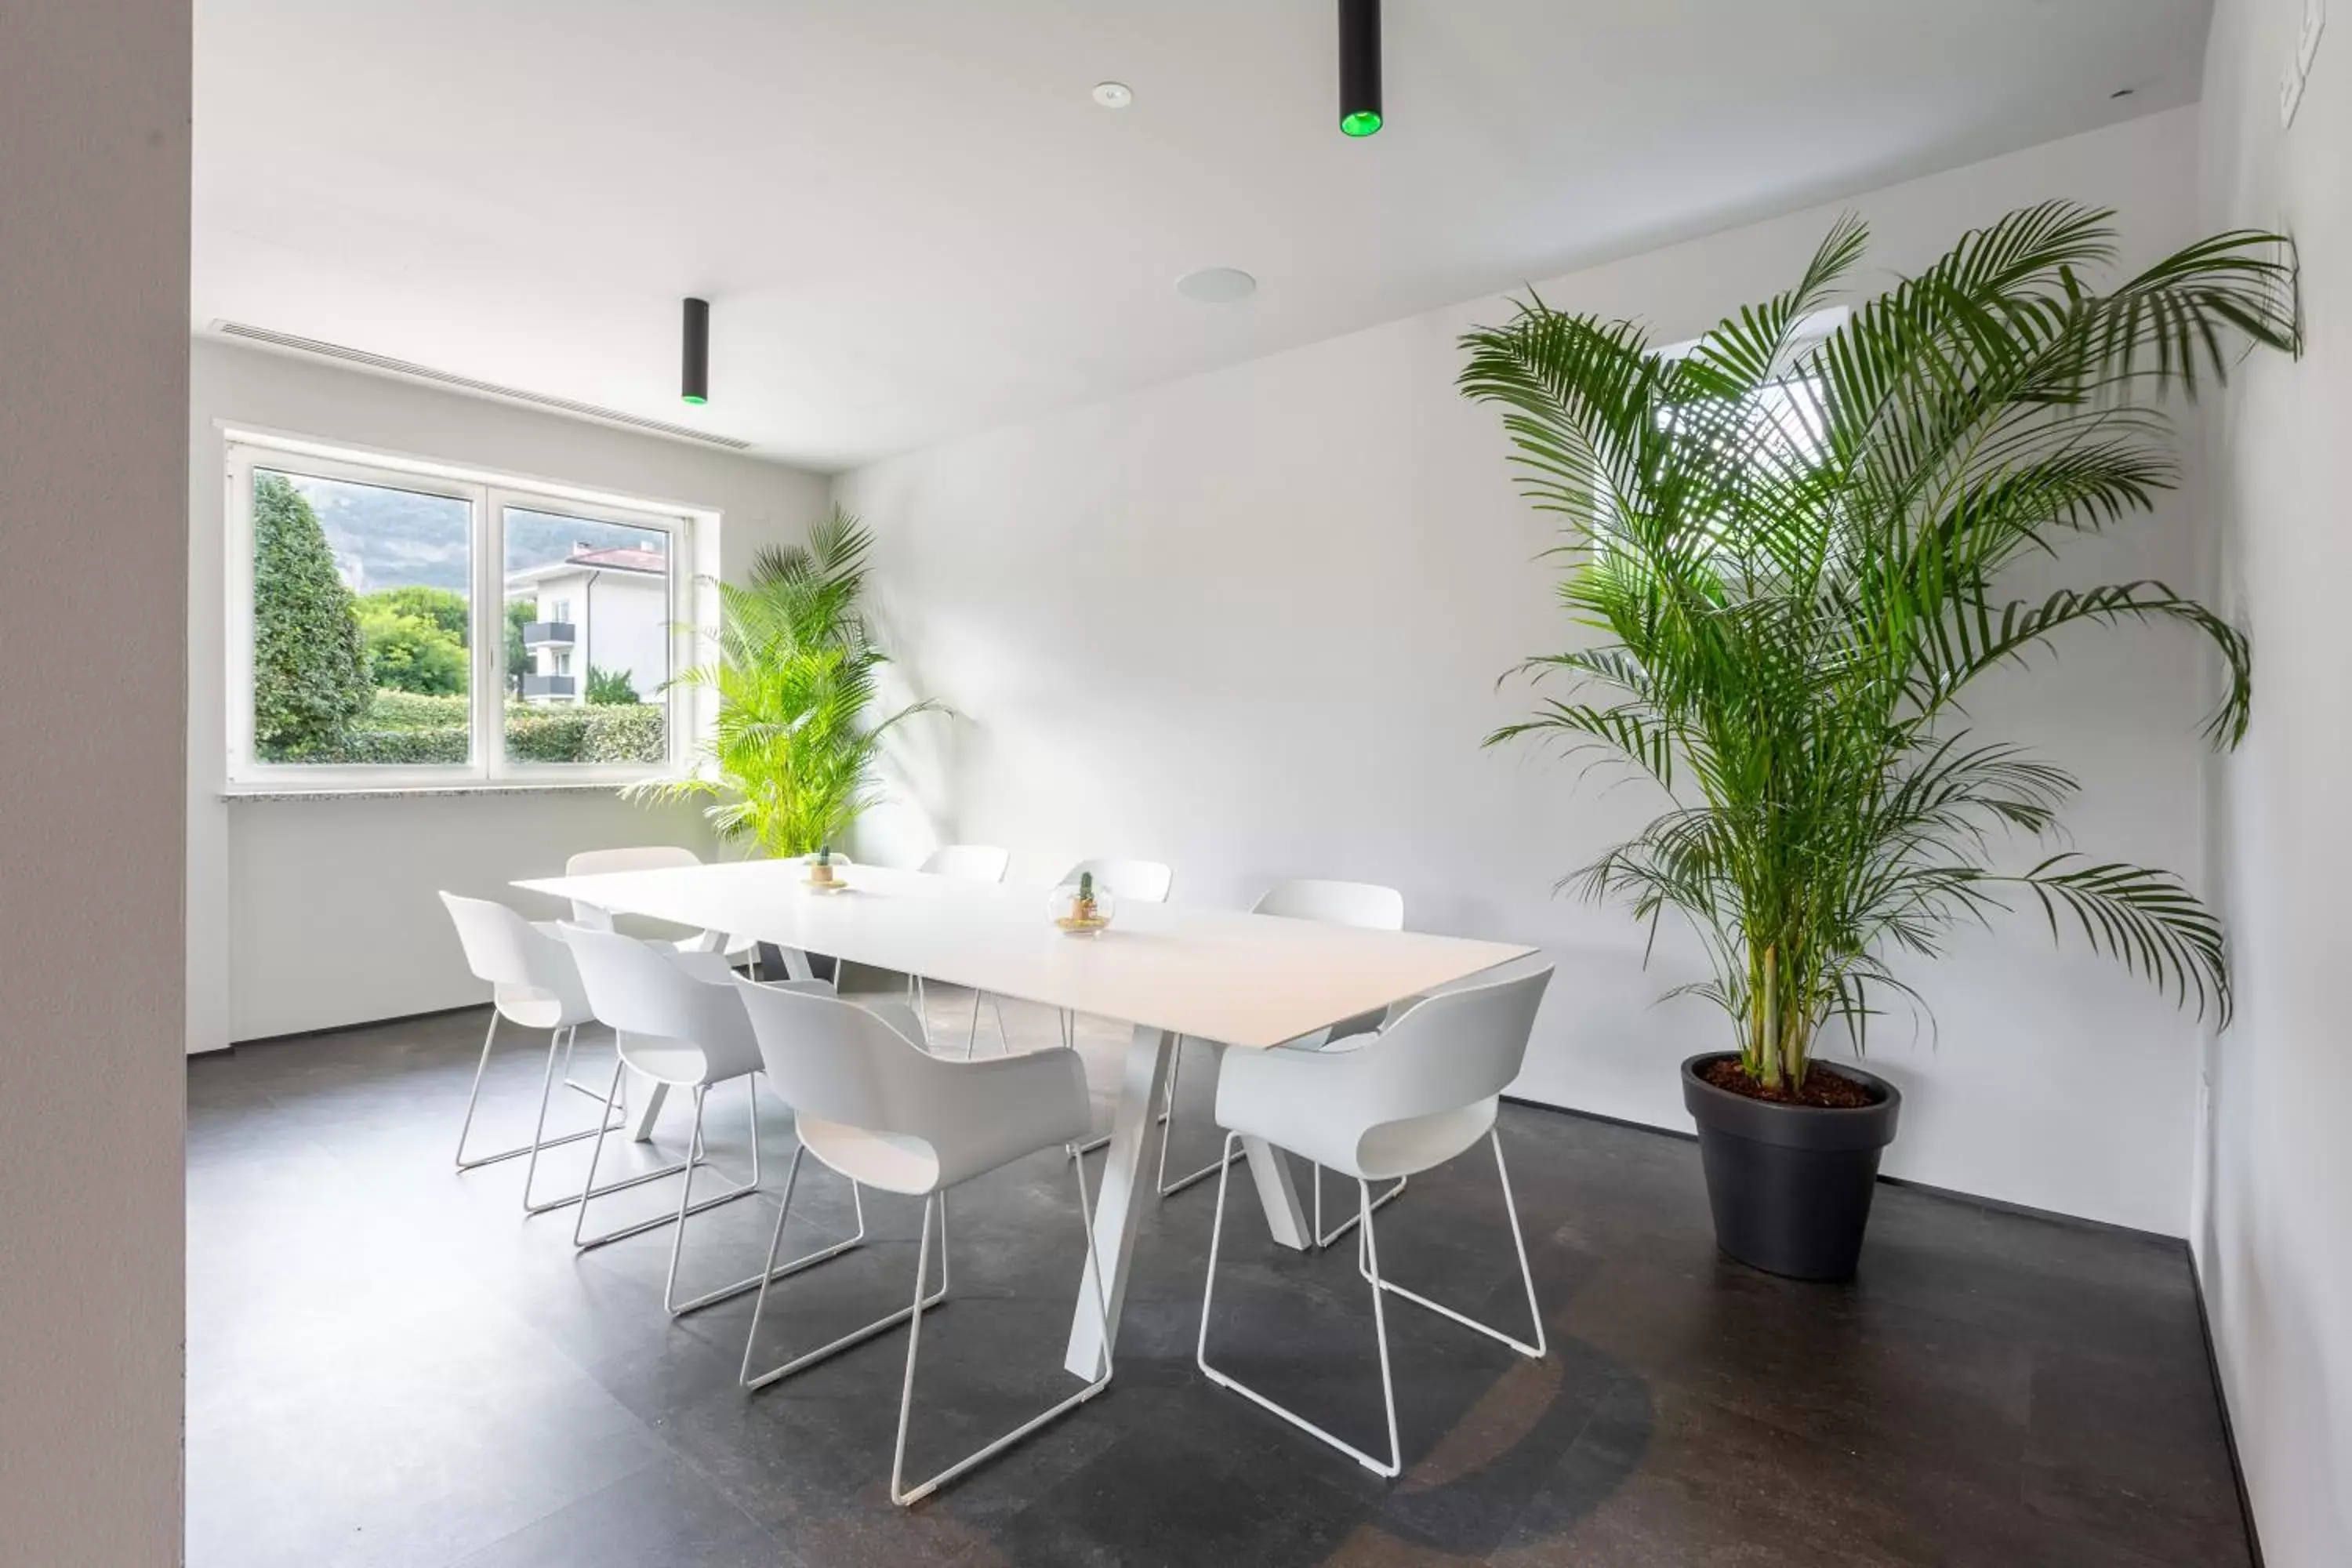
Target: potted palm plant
{"points": [[790, 761], [1792, 543]]}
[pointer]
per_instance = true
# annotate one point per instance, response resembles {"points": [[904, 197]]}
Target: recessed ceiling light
{"points": [[1216, 285], [1113, 94]]}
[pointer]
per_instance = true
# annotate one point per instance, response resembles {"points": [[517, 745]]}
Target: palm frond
{"points": [[2147, 921]]}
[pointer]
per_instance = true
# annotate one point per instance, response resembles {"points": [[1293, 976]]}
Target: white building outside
{"points": [[600, 609]]}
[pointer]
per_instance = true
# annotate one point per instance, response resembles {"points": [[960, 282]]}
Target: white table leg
{"points": [[1142, 1081], [643, 1098], [1271, 1170]]}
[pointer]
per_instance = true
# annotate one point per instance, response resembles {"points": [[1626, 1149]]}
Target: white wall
{"points": [[93, 370], [2274, 1244], [1251, 624], [307, 914]]}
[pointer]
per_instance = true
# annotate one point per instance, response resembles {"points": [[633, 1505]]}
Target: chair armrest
{"points": [[891, 1011], [704, 965], [979, 1115], [1299, 1100]]}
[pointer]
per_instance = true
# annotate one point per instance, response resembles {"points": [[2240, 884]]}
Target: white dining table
{"points": [[1248, 982]]}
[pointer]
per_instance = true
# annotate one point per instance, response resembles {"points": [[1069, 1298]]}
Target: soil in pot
{"points": [[1823, 1087]]}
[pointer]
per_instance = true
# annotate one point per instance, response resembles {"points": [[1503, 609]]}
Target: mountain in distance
{"points": [[386, 538]]}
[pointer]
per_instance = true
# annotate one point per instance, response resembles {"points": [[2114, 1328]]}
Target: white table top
{"points": [[1243, 979]]}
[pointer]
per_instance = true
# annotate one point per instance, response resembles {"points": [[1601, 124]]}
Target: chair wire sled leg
{"points": [[560, 1039], [1168, 1130], [1325, 1238], [934, 1204], [775, 1270], [1392, 1466], [1368, 1265], [1527, 1276], [694, 1156]]}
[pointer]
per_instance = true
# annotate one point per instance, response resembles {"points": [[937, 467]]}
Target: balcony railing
{"points": [[549, 685], [549, 633]]}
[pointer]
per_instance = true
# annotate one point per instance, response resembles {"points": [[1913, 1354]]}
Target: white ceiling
{"points": [[913, 222]]}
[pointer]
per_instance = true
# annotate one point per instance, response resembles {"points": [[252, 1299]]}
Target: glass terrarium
{"points": [[823, 871], [1083, 907]]}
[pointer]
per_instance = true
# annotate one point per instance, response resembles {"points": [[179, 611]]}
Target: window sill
{"points": [[411, 792]]}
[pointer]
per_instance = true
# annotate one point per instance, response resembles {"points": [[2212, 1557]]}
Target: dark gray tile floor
{"points": [[388, 1364]]}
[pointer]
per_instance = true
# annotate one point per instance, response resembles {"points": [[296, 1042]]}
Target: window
{"points": [[391, 625]]}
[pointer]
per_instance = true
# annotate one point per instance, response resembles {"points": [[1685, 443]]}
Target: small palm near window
{"points": [[793, 759]]}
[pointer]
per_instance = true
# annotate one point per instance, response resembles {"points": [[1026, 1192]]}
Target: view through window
{"points": [[363, 610], [588, 639], [375, 644]]}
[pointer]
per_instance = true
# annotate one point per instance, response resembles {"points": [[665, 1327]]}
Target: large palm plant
{"points": [[1794, 544], [790, 761]]}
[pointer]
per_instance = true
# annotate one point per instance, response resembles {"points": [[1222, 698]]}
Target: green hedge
{"points": [[546, 734], [406, 728], [382, 746], [606, 733], [409, 711], [633, 733]]}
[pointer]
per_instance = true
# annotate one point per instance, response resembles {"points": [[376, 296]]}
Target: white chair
{"points": [[1365, 905], [1141, 881], [1130, 881], [1421, 1092], [871, 1104], [680, 1023], [533, 983], [962, 863], [652, 857]]}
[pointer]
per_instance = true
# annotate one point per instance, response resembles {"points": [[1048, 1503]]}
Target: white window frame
{"points": [[488, 496]]}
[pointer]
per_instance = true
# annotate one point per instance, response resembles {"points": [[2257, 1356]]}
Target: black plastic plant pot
{"points": [[1790, 1184]]}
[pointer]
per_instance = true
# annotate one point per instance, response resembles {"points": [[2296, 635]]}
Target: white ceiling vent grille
{"points": [[390, 367]]}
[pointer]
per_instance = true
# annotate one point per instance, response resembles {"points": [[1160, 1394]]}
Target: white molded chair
{"points": [[533, 983], [680, 1023], [873, 1105], [1135, 881], [1366, 905], [1421, 1092], [962, 863], [651, 858], [1138, 881]]}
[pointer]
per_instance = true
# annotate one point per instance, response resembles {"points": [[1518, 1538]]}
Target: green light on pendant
{"points": [[697, 400], [1362, 123]]}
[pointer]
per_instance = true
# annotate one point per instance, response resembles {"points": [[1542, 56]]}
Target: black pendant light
{"points": [[1359, 67], [694, 376]]}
